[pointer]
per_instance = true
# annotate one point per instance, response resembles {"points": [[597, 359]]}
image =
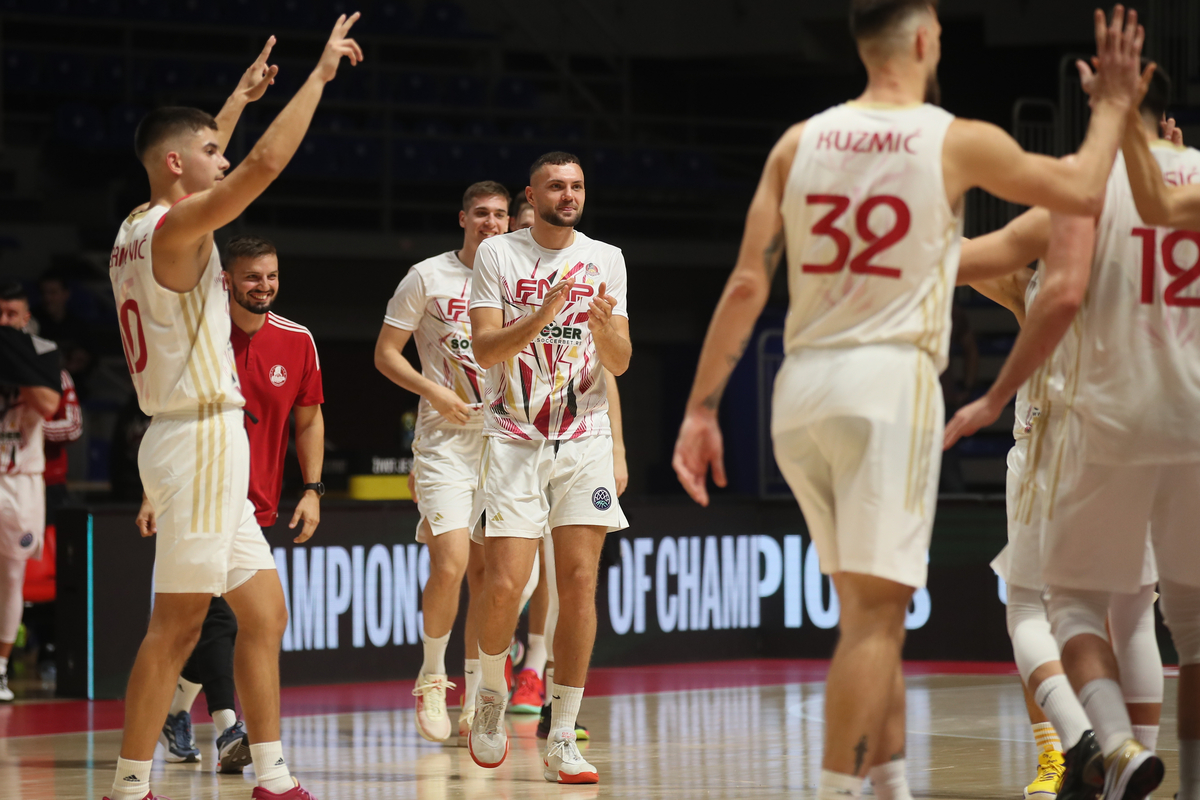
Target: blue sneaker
{"points": [[233, 749], [177, 739]]}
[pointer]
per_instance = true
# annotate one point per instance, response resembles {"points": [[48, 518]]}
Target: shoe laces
{"points": [[434, 688], [1049, 768], [567, 750], [181, 728], [489, 713]]}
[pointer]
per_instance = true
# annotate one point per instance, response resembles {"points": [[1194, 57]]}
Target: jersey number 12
{"points": [[1181, 277]]}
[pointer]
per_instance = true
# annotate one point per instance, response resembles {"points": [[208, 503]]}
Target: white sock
{"points": [[492, 667], [1147, 735], [535, 655], [1046, 738], [224, 719], [185, 695], [132, 781], [1189, 769], [1105, 707], [270, 767], [1058, 702], [836, 786], [564, 711], [549, 684], [472, 674], [890, 781], [3, 664], [435, 654]]}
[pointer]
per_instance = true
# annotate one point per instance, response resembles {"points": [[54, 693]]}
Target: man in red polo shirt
{"points": [[280, 376]]}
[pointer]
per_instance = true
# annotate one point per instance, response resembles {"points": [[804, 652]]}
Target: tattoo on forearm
{"points": [[860, 754], [713, 401], [773, 254]]}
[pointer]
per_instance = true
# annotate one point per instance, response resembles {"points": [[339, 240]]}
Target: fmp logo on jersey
{"points": [[278, 375]]}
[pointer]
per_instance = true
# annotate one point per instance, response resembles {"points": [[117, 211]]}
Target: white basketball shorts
{"points": [[858, 437], [446, 463], [1020, 562], [1094, 536], [195, 469], [22, 516], [532, 486]]}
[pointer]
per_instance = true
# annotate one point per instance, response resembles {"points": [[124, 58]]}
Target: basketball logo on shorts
{"points": [[601, 499], [278, 375], [26, 540]]}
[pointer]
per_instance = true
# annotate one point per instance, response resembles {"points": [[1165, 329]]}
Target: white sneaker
{"points": [[465, 720], [488, 740], [6, 694], [1132, 772], [565, 764], [433, 722]]}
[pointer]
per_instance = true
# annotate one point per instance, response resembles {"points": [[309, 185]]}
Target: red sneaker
{"points": [[530, 693], [297, 792]]}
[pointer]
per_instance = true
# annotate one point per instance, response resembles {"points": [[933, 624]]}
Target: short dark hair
{"points": [[246, 246], [13, 290], [1158, 96], [556, 158], [520, 205], [163, 123], [870, 18], [484, 189]]}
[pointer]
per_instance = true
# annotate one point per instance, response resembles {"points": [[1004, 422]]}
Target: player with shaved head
{"points": [[867, 199], [173, 310]]}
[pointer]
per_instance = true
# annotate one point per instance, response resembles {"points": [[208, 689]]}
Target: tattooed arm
{"points": [[699, 444]]}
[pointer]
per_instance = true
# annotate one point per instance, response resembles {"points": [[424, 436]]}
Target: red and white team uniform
{"points": [[432, 301], [22, 464], [1129, 452], [857, 419], [64, 427], [548, 455], [278, 369], [195, 459]]}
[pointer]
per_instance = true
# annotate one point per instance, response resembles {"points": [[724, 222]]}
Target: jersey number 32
{"points": [[876, 242]]}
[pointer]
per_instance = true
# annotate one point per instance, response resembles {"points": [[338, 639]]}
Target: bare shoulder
{"points": [[783, 154], [967, 134]]}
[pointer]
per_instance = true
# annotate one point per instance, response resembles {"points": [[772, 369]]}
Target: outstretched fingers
{"points": [[266, 51]]}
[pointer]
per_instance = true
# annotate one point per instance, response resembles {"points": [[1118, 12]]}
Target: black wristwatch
{"points": [[317, 487]]}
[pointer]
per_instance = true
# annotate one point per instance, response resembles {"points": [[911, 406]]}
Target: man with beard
{"points": [[280, 375], [867, 198], [549, 314]]}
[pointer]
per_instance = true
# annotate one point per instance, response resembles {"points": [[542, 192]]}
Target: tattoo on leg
{"points": [[860, 754]]}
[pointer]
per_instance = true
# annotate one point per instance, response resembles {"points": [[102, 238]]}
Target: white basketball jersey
{"points": [[1137, 389], [872, 242], [176, 344]]}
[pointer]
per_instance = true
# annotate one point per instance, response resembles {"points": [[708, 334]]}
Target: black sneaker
{"points": [[177, 739], [1084, 775], [543, 731], [233, 749]]}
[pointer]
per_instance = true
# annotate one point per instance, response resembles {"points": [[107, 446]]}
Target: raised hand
{"points": [[1118, 53], [337, 47], [1172, 132], [258, 76], [601, 310]]}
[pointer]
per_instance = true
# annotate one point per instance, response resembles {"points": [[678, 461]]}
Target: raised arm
{"points": [[1008, 291], [1157, 203], [251, 87], [390, 360], [699, 445], [1068, 266], [1003, 252], [981, 154], [185, 229]]}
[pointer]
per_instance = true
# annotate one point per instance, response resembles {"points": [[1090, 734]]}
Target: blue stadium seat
{"points": [[651, 168], [413, 88], [310, 158], [196, 12], [443, 18], [292, 14], [463, 161], [526, 129], [430, 129], [413, 161], [110, 76], [79, 123], [68, 73], [172, 75], [145, 10], [331, 121], [465, 91], [610, 167], [696, 169], [242, 12], [509, 163], [515, 93], [571, 132], [355, 158], [122, 122], [481, 129], [22, 70]]}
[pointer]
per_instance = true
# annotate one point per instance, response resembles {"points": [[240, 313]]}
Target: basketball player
{"points": [[871, 271], [522, 216], [548, 311], [1131, 397], [174, 316], [1053, 708], [280, 376], [432, 302], [27, 401]]}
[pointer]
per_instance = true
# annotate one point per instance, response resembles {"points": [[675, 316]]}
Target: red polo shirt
{"points": [[278, 369]]}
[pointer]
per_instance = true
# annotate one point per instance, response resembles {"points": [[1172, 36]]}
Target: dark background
{"points": [[671, 105]]}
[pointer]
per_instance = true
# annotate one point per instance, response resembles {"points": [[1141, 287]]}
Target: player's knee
{"points": [[1076, 612], [447, 569], [1181, 612], [1023, 605]]}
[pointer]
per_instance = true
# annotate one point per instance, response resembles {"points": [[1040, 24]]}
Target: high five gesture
{"points": [[337, 47]]}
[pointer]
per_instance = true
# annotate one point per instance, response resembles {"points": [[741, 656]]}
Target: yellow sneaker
{"points": [[1051, 767]]}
